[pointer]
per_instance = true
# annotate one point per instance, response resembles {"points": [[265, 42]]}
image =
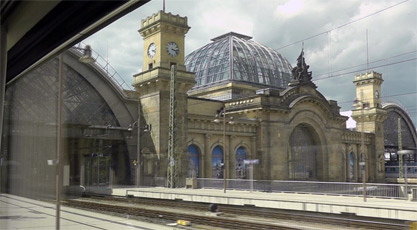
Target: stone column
{"points": [[202, 160], [264, 169], [253, 148], [231, 157], [207, 157], [358, 169]]}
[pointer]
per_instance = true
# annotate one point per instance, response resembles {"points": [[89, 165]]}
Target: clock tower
{"points": [[371, 116], [163, 41]]}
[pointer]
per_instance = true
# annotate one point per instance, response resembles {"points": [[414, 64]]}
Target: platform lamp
{"points": [[222, 113], [402, 154], [360, 104], [86, 58], [87, 55]]}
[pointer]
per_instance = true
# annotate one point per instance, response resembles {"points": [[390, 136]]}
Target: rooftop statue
{"points": [[300, 73]]}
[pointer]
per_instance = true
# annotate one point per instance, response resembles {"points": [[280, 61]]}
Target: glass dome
{"points": [[235, 57]]}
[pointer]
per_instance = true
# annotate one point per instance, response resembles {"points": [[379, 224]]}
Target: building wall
{"points": [[266, 132]]}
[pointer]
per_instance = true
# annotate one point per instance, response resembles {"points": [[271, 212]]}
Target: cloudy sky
{"points": [[334, 34]]}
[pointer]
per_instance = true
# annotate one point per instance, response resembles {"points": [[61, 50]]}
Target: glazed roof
{"points": [[235, 57]]}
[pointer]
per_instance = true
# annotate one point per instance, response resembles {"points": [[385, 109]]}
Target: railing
{"points": [[154, 181], [107, 68], [378, 190], [311, 187]]}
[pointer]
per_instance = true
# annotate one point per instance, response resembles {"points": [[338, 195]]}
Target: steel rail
{"points": [[272, 214], [174, 216]]}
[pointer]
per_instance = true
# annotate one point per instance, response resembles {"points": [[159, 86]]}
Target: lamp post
{"points": [[362, 164], [217, 120], [403, 153], [360, 104], [86, 58], [138, 161]]}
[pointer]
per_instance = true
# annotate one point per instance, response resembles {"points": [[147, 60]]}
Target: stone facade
{"points": [[370, 117], [296, 133], [264, 124]]}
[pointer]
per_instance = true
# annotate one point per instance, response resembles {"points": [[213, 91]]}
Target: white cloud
{"points": [[279, 23], [289, 8], [350, 123], [218, 22]]}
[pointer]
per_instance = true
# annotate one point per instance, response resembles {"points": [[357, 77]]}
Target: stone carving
{"points": [[300, 73], [381, 163]]}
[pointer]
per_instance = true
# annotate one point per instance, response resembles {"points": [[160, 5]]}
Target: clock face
{"points": [[151, 50], [173, 49]]}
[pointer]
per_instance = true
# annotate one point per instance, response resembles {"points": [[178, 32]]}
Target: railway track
{"points": [[236, 214], [174, 216]]}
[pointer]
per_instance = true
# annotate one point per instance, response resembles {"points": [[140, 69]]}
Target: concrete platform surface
{"points": [[373, 207], [23, 213]]}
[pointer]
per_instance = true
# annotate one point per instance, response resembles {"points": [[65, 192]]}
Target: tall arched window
{"points": [[193, 161], [351, 166], [240, 166], [217, 162], [302, 164]]}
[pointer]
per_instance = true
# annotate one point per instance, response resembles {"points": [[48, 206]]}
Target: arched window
{"points": [[240, 166], [302, 164], [351, 166], [193, 161], [217, 162]]}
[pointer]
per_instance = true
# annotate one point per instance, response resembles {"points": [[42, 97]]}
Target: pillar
{"points": [[207, 156]]}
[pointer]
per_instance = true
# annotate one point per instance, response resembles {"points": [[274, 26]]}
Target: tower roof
{"points": [[236, 57]]}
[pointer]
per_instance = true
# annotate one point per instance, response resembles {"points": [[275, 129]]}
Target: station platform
{"points": [[373, 207], [22, 213]]}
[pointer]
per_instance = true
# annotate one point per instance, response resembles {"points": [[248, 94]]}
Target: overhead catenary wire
{"points": [[344, 102], [345, 73], [352, 67], [330, 70], [392, 95], [338, 75], [361, 70], [343, 25]]}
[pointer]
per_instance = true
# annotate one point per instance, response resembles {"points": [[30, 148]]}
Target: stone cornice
{"points": [[205, 124], [285, 102], [158, 79], [366, 78], [237, 121], [374, 115], [162, 21], [323, 105], [355, 137], [228, 133]]}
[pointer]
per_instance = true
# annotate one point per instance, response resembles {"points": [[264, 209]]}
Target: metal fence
{"points": [[311, 187], [152, 181]]}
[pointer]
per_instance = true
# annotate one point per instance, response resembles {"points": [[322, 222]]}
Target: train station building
{"points": [[231, 102]]}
